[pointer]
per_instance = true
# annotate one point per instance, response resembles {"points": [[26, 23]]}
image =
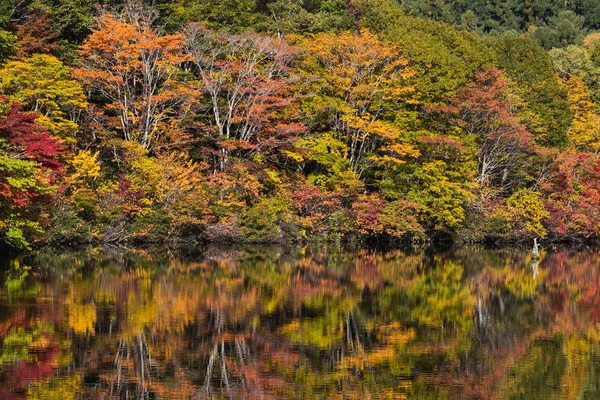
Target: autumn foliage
{"points": [[380, 127], [29, 164], [134, 70]]}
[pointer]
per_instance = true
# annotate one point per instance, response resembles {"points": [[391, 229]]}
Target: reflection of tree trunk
{"points": [[480, 311], [535, 268], [353, 319], [118, 367], [492, 326], [240, 356], [348, 331], [207, 387], [142, 366], [224, 374], [237, 377]]}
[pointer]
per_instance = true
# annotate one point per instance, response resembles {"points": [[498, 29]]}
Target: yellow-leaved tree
{"points": [[41, 83], [585, 130], [357, 86]]}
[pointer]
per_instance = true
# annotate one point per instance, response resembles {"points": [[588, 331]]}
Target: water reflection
{"points": [[260, 323]]}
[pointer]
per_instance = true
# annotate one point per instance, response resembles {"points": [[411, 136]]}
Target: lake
{"points": [[301, 323]]}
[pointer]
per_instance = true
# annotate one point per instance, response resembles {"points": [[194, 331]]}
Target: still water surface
{"points": [[270, 323]]}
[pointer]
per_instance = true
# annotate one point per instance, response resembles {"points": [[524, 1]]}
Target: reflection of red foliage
{"points": [[20, 374], [574, 277], [18, 319], [365, 274]]}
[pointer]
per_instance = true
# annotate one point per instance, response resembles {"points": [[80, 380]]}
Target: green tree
{"points": [[564, 29], [444, 58], [8, 48], [545, 110], [232, 15]]}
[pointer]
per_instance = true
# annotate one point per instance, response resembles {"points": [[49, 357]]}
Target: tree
{"points": [[584, 133], [575, 61], [8, 47], [231, 15], [28, 164], [297, 16], [566, 28], [591, 43], [135, 71], [525, 214], [6, 13], [164, 194], [546, 110], [247, 80], [72, 19], [438, 10], [572, 195], [484, 111], [358, 85], [442, 190], [42, 84], [375, 216], [443, 57], [36, 35]]}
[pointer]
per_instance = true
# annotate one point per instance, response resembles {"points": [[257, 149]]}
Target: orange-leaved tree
{"points": [[136, 72], [246, 80]]}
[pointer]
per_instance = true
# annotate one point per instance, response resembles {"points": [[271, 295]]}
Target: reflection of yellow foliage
{"points": [[593, 333], [521, 282], [141, 308], [513, 387], [578, 351], [444, 297], [82, 317], [392, 335], [176, 308], [82, 314], [362, 361], [399, 268], [316, 332], [52, 389]]}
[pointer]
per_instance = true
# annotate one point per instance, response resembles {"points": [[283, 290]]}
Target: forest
{"points": [[298, 120]]}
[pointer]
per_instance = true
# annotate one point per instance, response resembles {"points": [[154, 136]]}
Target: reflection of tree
{"points": [[133, 357], [244, 323], [31, 350]]}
